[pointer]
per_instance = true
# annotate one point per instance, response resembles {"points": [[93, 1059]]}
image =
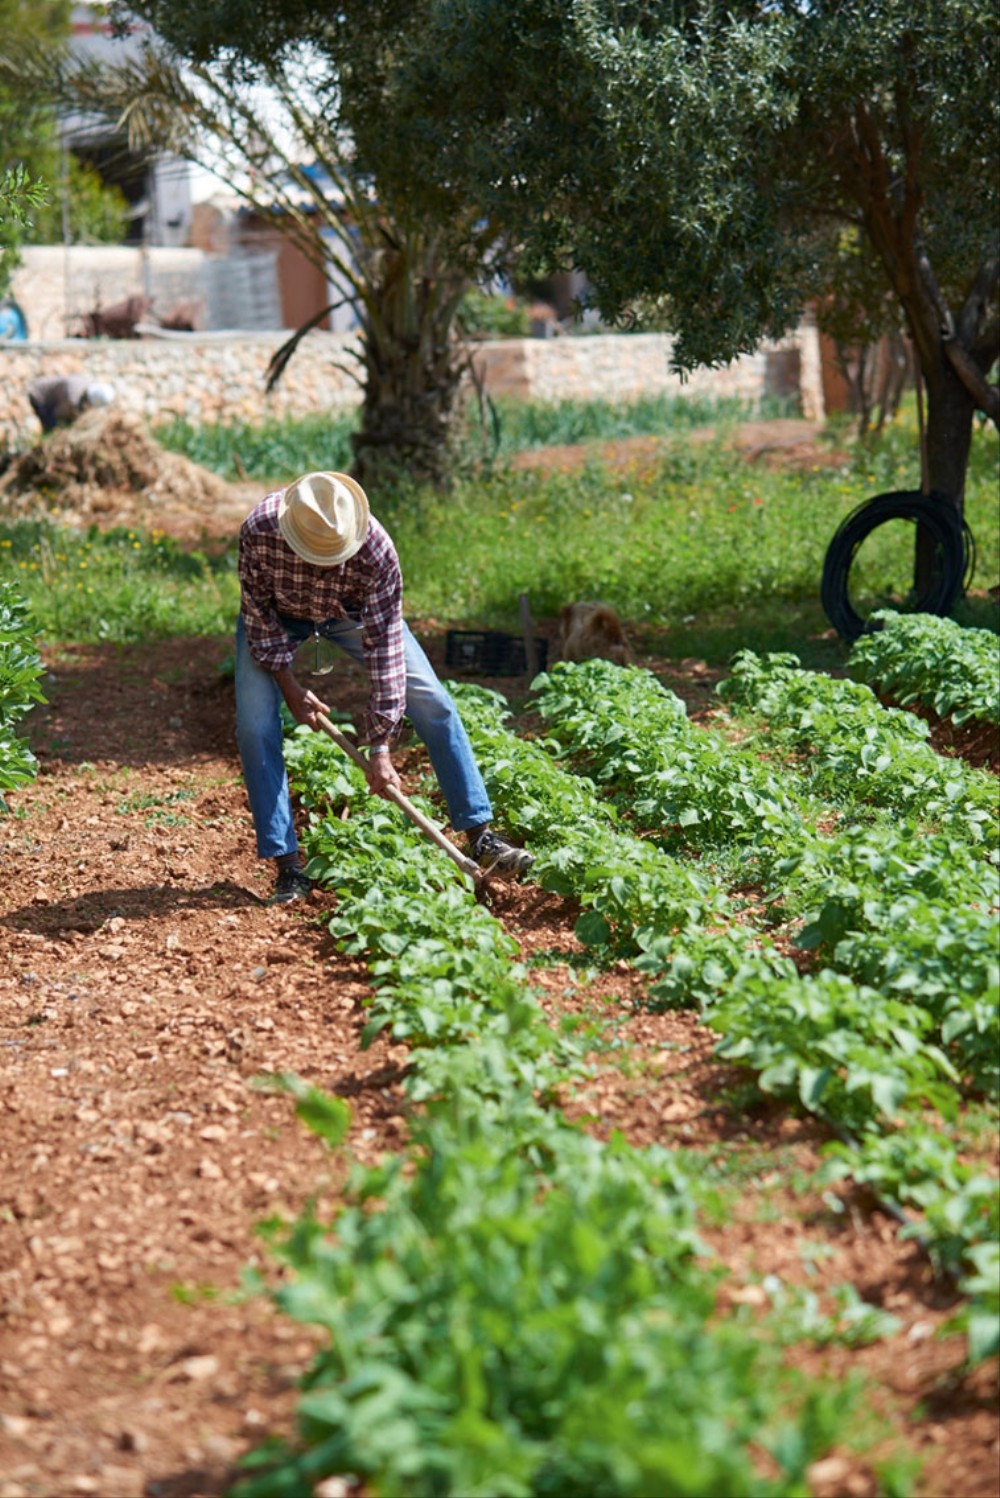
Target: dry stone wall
{"points": [[622, 367], [197, 377], [221, 377]]}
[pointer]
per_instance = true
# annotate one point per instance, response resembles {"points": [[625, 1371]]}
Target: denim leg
{"points": [[436, 722], [259, 737]]}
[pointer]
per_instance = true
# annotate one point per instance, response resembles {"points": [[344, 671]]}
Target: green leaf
{"points": [[592, 929], [329, 1117]]}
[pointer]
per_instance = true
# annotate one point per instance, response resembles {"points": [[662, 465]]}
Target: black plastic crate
{"points": [[490, 652]]}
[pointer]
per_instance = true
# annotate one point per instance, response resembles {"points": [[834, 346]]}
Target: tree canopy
{"points": [[259, 106], [723, 165], [730, 163], [26, 134]]}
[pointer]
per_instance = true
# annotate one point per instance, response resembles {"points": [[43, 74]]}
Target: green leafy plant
{"points": [[20, 672], [512, 1307], [922, 659]]}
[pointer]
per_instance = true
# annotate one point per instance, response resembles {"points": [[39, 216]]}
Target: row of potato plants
{"points": [[882, 896], [878, 899], [20, 675], [919, 658], [840, 872], [512, 1306], [903, 892], [849, 884], [858, 754]]}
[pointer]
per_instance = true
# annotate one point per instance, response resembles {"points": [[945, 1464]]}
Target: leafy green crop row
{"points": [[633, 735], [513, 1307], [920, 658], [857, 752], [639, 903], [878, 902], [20, 670]]}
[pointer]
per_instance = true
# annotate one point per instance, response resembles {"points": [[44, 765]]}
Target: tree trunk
{"points": [[950, 409], [414, 367]]}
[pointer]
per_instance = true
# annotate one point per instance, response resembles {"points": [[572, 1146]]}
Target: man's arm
{"points": [[305, 707], [381, 772], [384, 652], [302, 704]]}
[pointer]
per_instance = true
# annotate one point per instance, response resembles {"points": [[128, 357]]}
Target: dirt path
{"points": [[146, 987], [785, 442]]}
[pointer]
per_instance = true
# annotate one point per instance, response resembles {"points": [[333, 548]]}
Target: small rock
{"points": [[920, 1331], [209, 1171], [150, 1338], [831, 1471], [196, 1369], [17, 1426], [222, 1448], [749, 1295], [332, 1487]]}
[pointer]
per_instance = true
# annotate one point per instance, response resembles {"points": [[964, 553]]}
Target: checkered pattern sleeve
{"points": [[382, 640], [268, 642]]}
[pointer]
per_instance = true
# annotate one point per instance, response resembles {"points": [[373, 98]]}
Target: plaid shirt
{"points": [[368, 587]]}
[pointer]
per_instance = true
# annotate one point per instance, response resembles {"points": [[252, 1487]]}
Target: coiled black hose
{"points": [[954, 551]]}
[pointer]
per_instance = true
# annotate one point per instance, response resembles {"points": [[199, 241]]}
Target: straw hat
{"points": [[324, 518]]}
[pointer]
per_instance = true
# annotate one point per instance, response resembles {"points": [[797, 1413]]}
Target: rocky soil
{"points": [[147, 991]]}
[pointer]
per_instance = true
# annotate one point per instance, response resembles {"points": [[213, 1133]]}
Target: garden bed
{"points": [[148, 987]]}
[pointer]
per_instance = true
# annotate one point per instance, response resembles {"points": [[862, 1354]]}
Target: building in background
{"points": [[158, 190]]}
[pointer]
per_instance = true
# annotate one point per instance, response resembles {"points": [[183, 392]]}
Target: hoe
{"points": [[429, 828]]}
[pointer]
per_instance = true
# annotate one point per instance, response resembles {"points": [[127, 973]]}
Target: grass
{"points": [[274, 449], [523, 425], [702, 552], [270, 451], [120, 585]]}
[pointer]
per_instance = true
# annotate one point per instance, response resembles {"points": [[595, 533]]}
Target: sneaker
{"points": [[497, 856], [293, 884]]}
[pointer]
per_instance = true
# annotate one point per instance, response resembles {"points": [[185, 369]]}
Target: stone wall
{"points": [[220, 377], [199, 377], [621, 367]]}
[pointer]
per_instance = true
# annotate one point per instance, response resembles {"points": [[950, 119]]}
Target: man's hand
{"points": [[381, 774], [302, 704]]}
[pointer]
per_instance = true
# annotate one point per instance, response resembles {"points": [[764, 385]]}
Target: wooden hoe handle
{"points": [[429, 828]]}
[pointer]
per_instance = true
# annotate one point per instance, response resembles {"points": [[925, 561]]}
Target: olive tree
{"points": [[726, 164]]}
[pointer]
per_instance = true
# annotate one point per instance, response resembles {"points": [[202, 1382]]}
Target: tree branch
{"points": [[986, 348], [985, 395], [983, 291]]}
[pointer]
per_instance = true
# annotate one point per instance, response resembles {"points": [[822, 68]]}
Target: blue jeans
{"points": [[428, 706]]}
